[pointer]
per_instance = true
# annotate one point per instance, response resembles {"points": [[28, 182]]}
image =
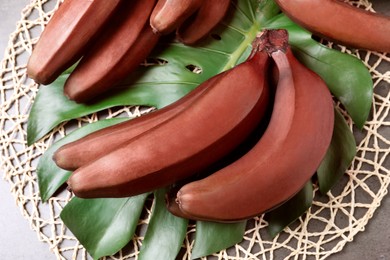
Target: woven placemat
{"points": [[331, 222]]}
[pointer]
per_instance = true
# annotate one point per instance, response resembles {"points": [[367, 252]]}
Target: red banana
{"points": [[68, 34], [114, 56], [284, 159], [341, 22], [89, 148]]}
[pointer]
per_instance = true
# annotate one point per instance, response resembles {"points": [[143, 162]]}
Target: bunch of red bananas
{"points": [[111, 38], [259, 130]]}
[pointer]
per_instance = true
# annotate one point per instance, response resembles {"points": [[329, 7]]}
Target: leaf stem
{"points": [[236, 56]]}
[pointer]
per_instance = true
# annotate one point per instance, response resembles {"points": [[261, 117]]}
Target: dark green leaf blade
{"points": [[212, 237], [347, 77], [291, 210], [103, 226], [339, 156], [165, 233], [50, 176], [269, 9]]}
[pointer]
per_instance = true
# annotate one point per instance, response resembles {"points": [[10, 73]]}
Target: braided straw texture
{"points": [[331, 222]]}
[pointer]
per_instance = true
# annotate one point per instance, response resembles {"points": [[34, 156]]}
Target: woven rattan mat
{"points": [[327, 227]]}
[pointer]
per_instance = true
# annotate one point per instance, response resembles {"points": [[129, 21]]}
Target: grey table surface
{"points": [[19, 241]]}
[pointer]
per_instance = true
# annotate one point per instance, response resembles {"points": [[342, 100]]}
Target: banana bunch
{"points": [[281, 162], [175, 142], [270, 95], [109, 39], [240, 144]]}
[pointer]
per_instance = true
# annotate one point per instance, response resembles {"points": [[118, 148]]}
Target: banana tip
{"points": [[68, 187], [61, 162], [55, 157], [155, 30], [172, 205]]}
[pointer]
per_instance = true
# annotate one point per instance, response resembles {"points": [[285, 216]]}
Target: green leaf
{"points": [[165, 233], [282, 216], [50, 176], [347, 77], [103, 226], [212, 237], [339, 156], [158, 85], [269, 9]]}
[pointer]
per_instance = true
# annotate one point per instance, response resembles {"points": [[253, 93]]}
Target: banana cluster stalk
{"points": [[109, 39], [341, 22]]}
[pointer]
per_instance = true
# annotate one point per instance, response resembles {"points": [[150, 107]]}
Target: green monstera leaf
{"points": [[339, 156], [103, 226], [212, 237], [165, 233], [282, 216]]}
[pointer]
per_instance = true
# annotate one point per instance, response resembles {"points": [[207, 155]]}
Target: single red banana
{"points": [[168, 15], [89, 148], [114, 56], [207, 17], [70, 31], [217, 122], [284, 159], [341, 22]]}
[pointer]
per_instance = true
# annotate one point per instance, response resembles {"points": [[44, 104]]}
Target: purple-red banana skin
{"points": [[74, 25], [341, 22], [113, 57], [284, 159], [215, 123], [168, 15], [208, 16], [89, 148]]}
